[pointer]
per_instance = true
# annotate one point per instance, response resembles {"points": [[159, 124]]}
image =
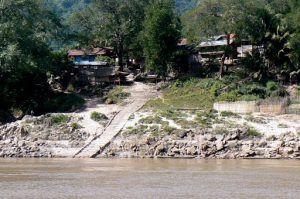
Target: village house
{"points": [[213, 49], [88, 67]]}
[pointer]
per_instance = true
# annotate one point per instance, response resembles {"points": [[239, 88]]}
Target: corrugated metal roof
{"points": [[91, 63], [220, 40], [72, 53], [94, 51]]}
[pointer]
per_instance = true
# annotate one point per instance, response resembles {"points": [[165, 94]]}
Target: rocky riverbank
{"points": [[207, 144], [147, 135], [51, 135]]}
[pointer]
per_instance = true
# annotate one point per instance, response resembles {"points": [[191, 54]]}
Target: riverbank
{"points": [[159, 129], [206, 144], [38, 137]]}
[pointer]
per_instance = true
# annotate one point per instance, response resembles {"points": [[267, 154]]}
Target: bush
{"points": [[61, 102], [271, 86], [228, 97], [249, 98], [117, 95], [167, 129], [59, 119], [254, 133], [221, 131], [253, 119], [75, 126], [228, 114], [151, 120], [96, 116]]}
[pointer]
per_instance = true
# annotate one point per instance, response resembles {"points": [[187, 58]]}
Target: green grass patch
{"points": [[229, 114], [117, 95], [59, 119], [284, 126], [75, 126], [151, 120], [253, 119], [254, 133], [137, 130], [221, 131], [96, 116], [155, 104], [189, 97], [207, 118]]}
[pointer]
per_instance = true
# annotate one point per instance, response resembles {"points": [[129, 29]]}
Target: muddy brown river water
{"points": [[149, 178]]}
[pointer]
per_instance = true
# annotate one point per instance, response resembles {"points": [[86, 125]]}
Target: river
{"points": [[149, 178]]}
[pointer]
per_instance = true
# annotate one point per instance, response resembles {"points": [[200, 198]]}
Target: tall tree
{"points": [[161, 34], [113, 22], [25, 31]]}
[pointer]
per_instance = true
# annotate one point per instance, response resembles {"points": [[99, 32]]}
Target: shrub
{"points": [[96, 116], [59, 119], [75, 126], [283, 126], [155, 104], [117, 95], [167, 129], [258, 120], [221, 131], [228, 114], [249, 98], [271, 86], [61, 103], [228, 97], [254, 133]]}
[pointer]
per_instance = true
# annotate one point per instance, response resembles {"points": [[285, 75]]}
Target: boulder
{"points": [[23, 132], [219, 145], [159, 149]]}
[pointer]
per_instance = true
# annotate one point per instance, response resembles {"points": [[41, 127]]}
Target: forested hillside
{"points": [[66, 7], [38, 35]]}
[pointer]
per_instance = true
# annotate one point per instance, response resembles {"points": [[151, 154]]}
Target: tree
{"points": [[25, 55], [162, 31], [113, 23], [214, 17]]}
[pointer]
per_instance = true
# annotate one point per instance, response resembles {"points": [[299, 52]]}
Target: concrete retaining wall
{"points": [[268, 107], [237, 107]]}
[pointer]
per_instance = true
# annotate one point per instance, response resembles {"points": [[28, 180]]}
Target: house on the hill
{"points": [[88, 69], [213, 48], [80, 56]]}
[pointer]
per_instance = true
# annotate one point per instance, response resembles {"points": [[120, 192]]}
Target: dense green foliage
{"points": [[272, 24], [34, 35], [24, 54], [161, 34], [117, 95], [26, 58], [96, 116]]}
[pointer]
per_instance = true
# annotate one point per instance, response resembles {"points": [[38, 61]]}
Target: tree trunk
{"points": [[120, 54], [120, 61], [221, 71]]}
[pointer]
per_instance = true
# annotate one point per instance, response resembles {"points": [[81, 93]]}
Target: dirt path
{"points": [[140, 93]]}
